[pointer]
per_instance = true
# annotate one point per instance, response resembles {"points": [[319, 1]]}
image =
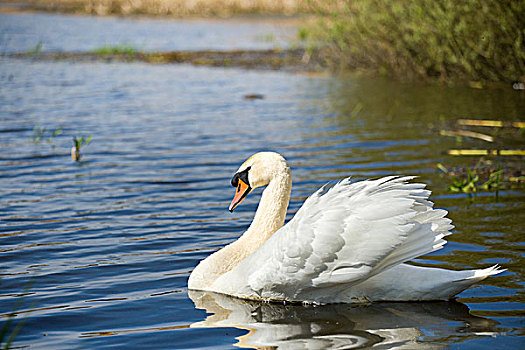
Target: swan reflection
{"points": [[340, 326]]}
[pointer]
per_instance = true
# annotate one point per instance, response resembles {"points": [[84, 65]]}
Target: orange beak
{"points": [[242, 191]]}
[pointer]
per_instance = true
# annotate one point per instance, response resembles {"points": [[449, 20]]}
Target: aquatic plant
{"points": [[78, 142], [268, 37], [469, 180], [477, 40], [8, 333], [6, 339], [36, 50], [58, 131], [39, 131], [121, 49]]}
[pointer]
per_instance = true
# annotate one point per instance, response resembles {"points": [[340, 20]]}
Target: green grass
{"points": [[473, 40], [122, 49]]}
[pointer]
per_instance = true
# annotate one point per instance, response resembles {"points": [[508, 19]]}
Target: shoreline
{"points": [[354, 37], [293, 60]]}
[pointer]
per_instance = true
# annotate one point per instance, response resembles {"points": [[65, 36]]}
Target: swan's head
{"points": [[257, 171]]}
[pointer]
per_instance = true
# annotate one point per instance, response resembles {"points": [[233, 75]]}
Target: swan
{"points": [[346, 244]]}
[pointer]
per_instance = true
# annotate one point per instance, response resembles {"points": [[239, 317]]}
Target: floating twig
{"points": [[467, 133], [490, 123], [486, 152]]}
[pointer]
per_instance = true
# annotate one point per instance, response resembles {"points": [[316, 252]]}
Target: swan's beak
{"points": [[242, 191]]}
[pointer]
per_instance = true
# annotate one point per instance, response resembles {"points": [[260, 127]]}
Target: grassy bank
{"points": [[476, 40], [293, 60], [176, 8]]}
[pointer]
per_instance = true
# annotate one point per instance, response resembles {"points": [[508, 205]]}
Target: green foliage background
{"points": [[480, 40]]}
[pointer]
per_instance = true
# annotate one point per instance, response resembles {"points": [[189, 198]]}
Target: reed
{"points": [[78, 142]]}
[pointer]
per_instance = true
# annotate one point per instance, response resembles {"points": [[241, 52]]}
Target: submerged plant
{"points": [[8, 333], [78, 142], [7, 339]]}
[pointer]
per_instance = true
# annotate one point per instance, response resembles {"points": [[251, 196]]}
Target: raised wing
{"points": [[341, 237]]}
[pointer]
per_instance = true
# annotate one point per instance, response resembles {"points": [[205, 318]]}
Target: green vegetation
{"points": [[36, 50], [122, 49], [9, 331], [470, 180], [39, 134], [269, 37], [290, 59], [78, 142], [39, 131], [6, 339], [497, 167], [473, 40]]}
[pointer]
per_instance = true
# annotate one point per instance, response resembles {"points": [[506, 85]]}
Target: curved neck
{"points": [[271, 211], [269, 218]]}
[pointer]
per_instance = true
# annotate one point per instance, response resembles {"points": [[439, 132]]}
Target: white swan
{"points": [[345, 244]]}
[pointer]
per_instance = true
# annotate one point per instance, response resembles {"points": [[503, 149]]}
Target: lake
{"points": [[97, 254]]}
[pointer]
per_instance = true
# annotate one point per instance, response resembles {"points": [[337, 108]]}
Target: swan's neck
{"points": [[271, 212], [269, 218]]}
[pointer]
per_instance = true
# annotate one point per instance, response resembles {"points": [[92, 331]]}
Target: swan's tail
{"points": [[470, 277], [479, 275], [408, 282]]}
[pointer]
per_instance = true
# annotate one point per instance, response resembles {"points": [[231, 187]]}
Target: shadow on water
{"points": [[339, 326]]}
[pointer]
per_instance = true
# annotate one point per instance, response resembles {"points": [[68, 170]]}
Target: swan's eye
{"points": [[243, 175], [235, 180]]}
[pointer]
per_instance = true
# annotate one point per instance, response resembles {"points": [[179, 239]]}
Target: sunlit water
{"points": [[97, 254]]}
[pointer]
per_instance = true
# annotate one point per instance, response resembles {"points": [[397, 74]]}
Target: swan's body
{"points": [[345, 244]]}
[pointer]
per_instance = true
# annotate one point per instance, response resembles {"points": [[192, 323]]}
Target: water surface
{"points": [[97, 254], [68, 33]]}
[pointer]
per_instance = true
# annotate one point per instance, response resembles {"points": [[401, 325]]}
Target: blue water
{"points": [[97, 254]]}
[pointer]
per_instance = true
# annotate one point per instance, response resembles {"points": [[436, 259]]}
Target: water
{"points": [[97, 254], [23, 32]]}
